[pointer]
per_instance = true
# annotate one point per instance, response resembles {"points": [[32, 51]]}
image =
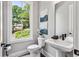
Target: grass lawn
{"points": [[25, 33]]}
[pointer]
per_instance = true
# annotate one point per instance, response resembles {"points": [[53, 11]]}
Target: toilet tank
{"points": [[41, 41]]}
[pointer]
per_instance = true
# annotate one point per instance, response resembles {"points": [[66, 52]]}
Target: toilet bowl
{"points": [[36, 49]]}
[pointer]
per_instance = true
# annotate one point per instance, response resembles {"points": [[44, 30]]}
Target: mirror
{"points": [[64, 18], [44, 22]]}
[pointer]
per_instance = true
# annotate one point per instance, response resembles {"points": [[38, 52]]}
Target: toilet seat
{"points": [[33, 47]]}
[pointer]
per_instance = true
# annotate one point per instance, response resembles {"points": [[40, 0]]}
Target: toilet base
{"points": [[35, 54]]}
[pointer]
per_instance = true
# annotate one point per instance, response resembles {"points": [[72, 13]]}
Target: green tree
{"points": [[25, 16], [16, 10], [21, 15]]}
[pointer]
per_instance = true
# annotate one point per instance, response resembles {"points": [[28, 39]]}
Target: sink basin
{"points": [[62, 45]]}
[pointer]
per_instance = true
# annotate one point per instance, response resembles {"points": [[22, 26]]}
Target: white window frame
{"points": [[9, 30], [7, 22]]}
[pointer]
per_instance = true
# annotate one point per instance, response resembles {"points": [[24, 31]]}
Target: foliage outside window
{"points": [[20, 20]]}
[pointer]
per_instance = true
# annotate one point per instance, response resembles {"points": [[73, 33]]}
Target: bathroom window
{"points": [[20, 20]]}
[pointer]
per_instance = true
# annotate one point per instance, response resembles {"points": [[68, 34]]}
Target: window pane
{"points": [[20, 20]]}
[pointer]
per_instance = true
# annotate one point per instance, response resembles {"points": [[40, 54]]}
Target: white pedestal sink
{"points": [[61, 45]]}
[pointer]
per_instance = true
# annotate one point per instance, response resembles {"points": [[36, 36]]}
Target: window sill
{"points": [[20, 40]]}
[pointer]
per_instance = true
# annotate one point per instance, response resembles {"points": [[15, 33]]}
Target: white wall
{"points": [[71, 18], [50, 7], [35, 19], [62, 20], [0, 31], [76, 26]]}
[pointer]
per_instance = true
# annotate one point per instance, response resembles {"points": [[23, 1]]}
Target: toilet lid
{"points": [[33, 46]]}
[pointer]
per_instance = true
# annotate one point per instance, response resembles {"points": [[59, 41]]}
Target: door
{"points": [[76, 29]]}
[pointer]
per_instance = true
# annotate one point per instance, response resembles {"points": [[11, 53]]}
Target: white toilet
{"points": [[36, 49]]}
